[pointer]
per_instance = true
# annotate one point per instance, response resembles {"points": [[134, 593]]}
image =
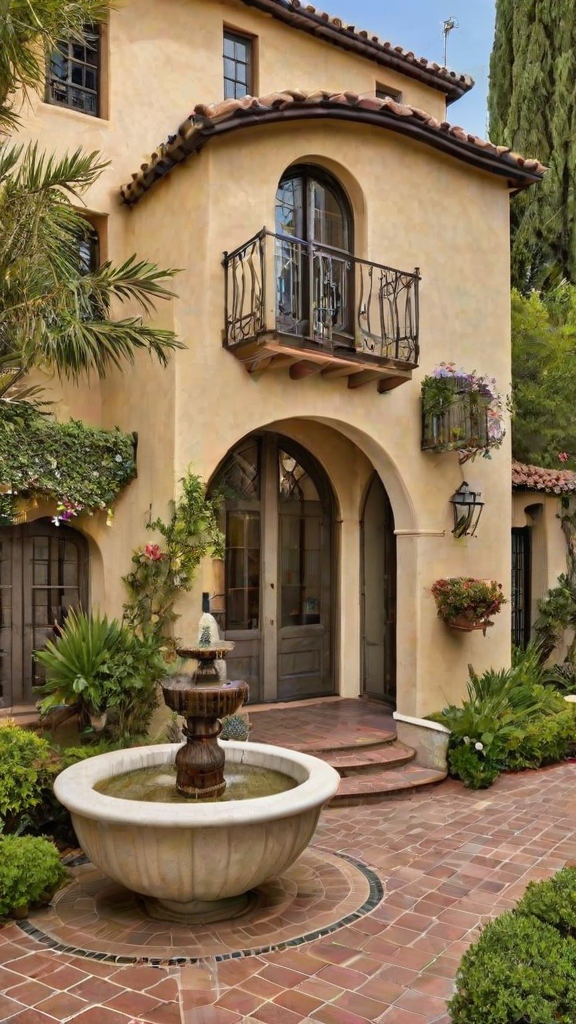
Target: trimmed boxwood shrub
{"points": [[30, 873], [520, 971], [28, 766], [553, 901], [546, 741]]}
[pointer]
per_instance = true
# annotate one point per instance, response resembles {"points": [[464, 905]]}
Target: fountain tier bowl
{"points": [[195, 861]]}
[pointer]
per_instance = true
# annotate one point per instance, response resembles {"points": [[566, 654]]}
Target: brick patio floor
{"points": [[449, 860]]}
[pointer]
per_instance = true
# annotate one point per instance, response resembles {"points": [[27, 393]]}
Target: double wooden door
{"points": [[43, 573], [278, 569]]}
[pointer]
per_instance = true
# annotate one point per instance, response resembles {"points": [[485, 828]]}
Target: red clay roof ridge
{"points": [[541, 478], [208, 119], [339, 32]]}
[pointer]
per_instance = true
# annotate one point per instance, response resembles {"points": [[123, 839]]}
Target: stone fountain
{"points": [[195, 828]]}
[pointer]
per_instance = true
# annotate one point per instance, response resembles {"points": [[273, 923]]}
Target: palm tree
{"points": [[54, 311]]}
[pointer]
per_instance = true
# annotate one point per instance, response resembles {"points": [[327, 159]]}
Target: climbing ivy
{"points": [[81, 468]]}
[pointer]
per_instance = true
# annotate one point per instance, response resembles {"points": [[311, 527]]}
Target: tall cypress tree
{"points": [[532, 105]]}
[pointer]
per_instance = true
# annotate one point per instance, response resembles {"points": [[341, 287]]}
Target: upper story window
{"points": [[74, 73], [89, 250], [384, 92], [238, 65]]}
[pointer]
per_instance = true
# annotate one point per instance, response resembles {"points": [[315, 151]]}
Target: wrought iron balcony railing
{"points": [[281, 285]]}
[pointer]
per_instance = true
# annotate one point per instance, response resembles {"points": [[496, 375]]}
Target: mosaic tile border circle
{"points": [[99, 920]]}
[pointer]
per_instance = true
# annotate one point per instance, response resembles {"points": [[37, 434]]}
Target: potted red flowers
{"points": [[466, 603]]}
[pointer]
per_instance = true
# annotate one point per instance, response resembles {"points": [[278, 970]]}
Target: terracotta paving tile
{"points": [[8, 979], [383, 991], [139, 978], [9, 951], [99, 1015], [8, 1007], [30, 992], [62, 1005], [322, 990], [96, 990], [363, 1005], [332, 1014], [333, 952], [169, 1013], [397, 1015], [272, 1013], [298, 1002], [166, 989], [64, 977], [421, 1002], [138, 1004], [31, 965], [282, 976], [238, 1000], [34, 1016], [259, 986], [345, 977]]}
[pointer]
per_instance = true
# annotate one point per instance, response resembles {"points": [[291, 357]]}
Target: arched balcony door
{"points": [[278, 580], [43, 573], [314, 276]]}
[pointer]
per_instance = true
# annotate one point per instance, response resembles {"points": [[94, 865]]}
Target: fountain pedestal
{"points": [[203, 700]]}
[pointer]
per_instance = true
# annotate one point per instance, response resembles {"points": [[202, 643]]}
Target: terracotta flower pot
{"points": [[467, 622], [98, 722]]}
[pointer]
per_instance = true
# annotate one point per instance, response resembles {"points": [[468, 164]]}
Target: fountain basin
{"points": [[195, 861]]}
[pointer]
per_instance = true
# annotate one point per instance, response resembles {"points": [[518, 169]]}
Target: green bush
{"points": [[30, 873], [511, 720], [546, 741], [102, 667], [476, 770], [28, 766], [553, 902], [520, 971]]}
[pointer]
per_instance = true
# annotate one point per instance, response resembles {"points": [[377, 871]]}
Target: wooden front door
{"points": [[378, 596], [278, 569], [43, 573]]}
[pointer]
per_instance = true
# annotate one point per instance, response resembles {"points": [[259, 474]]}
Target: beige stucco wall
{"points": [[412, 207], [539, 511]]}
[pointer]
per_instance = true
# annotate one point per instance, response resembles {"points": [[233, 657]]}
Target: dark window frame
{"points": [[71, 62], [384, 92], [238, 38], [521, 585]]}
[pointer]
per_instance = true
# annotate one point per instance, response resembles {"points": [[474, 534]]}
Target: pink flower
{"points": [[153, 552], [562, 456]]}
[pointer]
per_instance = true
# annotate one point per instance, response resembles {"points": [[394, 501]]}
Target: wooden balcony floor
{"points": [[302, 358]]}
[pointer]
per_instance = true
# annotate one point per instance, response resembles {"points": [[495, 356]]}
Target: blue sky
{"points": [[417, 25]]}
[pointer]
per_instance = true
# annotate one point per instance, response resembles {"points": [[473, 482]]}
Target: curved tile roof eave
{"points": [[538, 478], [337, 32], [209, 120]]}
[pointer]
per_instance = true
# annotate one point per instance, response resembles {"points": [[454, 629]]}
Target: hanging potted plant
{"points": [[461, 412], [466, 604]]}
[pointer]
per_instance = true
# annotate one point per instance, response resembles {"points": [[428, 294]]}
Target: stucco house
{"points": [[338, 239]]}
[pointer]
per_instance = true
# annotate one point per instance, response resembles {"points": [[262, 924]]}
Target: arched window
{"points": [[314, 276]]}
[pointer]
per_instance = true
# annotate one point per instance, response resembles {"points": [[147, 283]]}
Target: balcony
{"points": [[317, 310]]}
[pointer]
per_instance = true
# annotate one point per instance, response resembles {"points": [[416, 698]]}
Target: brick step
{"points": [[384, 785], [371, 740], [370, 760]]}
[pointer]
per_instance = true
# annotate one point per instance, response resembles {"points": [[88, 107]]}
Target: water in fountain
{"points": [[158, 784]]}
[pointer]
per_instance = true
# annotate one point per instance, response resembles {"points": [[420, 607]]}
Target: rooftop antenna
{"points": [[447, 27]]}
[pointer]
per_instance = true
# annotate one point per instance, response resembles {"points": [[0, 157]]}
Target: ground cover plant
{"points": [[511, 719], [30, 873], [522, 969]]}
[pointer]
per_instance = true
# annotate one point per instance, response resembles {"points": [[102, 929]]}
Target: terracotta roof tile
{"points": [[332, 29], [536, 478], [210, 119]]}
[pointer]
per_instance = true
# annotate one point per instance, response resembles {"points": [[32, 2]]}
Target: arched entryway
{"points": [[43, 573], [278, 579], [378, 595]]}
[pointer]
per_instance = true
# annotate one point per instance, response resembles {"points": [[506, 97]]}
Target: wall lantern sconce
{"points": [[467, 510]]}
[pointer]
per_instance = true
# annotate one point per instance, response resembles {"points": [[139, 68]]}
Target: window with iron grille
{"points": [[237, 66], [74, 73], [521, 624]]}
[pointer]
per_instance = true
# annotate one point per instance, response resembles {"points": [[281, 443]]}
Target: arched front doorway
{"points": [[43, 573], [378, 595], [277, 591]]}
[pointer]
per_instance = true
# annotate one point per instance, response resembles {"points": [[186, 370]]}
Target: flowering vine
{"points": [[80, 468], [462, 412]]}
